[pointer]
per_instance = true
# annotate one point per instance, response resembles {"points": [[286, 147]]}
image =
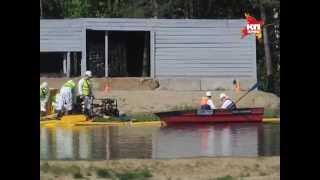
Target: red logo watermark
{"points": [[253, 27]]}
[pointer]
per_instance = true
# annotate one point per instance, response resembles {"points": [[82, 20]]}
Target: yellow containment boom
{"points": [[66, 121]]}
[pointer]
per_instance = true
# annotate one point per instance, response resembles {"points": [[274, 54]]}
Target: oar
{"points": [[252, 88]]}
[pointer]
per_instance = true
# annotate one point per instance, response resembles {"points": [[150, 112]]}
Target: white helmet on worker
{"points": [[88, 73], [44, 85], [208, 93], [223, 95]]}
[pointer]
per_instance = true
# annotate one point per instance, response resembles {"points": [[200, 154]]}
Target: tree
{"points": [[262, 4]]}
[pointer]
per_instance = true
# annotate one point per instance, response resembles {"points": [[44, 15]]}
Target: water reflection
{"points": [[218, 140], [64, 143], [94, 143]]}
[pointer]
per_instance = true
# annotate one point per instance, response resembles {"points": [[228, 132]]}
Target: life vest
{"points": [[86, 87], [232, 105], [204, 101]]}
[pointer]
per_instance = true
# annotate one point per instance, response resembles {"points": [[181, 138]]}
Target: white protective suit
{"points": [[44, 100], [65, 99]]}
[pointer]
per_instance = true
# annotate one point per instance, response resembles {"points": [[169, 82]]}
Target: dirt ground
{"points": [[261, 168], [141, 95]]}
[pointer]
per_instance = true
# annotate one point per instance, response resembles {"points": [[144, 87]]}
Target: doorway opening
{"points": [[128, 53], [96, 52]]}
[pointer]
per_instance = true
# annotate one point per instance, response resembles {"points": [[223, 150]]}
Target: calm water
{"points": [[100, 143]]}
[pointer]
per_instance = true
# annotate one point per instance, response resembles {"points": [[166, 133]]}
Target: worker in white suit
{"points": [[85, 92], [227, 103], [66, 98], [44, 97]]}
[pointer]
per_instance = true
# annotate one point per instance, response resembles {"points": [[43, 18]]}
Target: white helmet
{"points": [[208, 93], [222, 95], [44, 85], [88, 73]]}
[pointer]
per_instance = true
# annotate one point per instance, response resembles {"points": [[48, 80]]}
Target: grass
{"points": [[128, 175], [135, 175], [137, 117], [104, 173], [75, 171], [228, 177], [263, 173], [144, 117], [271, 113], [77, 176]]}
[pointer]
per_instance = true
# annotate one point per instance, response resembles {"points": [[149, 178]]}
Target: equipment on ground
{"points": [[104, 107]]}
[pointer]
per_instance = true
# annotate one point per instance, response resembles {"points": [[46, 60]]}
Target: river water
{"points": [[103, 142]]}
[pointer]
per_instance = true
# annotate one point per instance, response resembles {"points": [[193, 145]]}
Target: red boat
{"points": [[218, 115]]}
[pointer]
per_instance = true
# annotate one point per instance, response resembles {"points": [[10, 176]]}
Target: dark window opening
{"points": [[75, 64], [54, 64], [51, 64], [96, 52], [129, 53]]}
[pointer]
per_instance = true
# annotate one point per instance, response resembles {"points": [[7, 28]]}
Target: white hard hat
{"points": [[88, 73], [44, 85], [208, 93], [222, 95]]}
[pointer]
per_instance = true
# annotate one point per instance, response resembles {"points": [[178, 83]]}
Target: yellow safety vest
{"points": [[69, 84], [86, 88]]}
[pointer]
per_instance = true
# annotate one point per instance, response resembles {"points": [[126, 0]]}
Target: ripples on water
{"points": [[99, 143]]}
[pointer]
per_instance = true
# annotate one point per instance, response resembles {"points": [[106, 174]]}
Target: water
{"points": [[101, 143]]}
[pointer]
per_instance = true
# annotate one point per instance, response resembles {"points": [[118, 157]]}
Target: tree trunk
{"points": [[266, 48], [41, 12], [155, 8], [191, 13]]}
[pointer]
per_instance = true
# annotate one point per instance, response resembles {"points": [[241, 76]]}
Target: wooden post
{"points": [[106, 54], [75, 63], [64, 63], [68, 64], [84, 53], [145, 60], [152, 59]]}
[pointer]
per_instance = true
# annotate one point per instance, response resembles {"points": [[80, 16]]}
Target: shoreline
{"points": [[203, 168], [54, 123]]}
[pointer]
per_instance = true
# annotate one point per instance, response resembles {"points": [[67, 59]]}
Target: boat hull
{"points": [[219, 116]]}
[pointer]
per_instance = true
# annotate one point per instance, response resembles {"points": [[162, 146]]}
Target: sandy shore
{"points": [[227, 168]]}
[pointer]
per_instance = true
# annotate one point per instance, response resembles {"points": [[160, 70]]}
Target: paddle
{"points": [[252, 88]]}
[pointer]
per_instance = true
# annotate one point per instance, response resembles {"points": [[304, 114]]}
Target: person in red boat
{"points": [[227, 103], [206, 102]]}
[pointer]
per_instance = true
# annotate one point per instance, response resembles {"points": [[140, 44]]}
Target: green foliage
{"points": [[135, 175], [77, 176], [127, 175], [271, 113], [228, 177], [104, 173], [45, 167]]}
